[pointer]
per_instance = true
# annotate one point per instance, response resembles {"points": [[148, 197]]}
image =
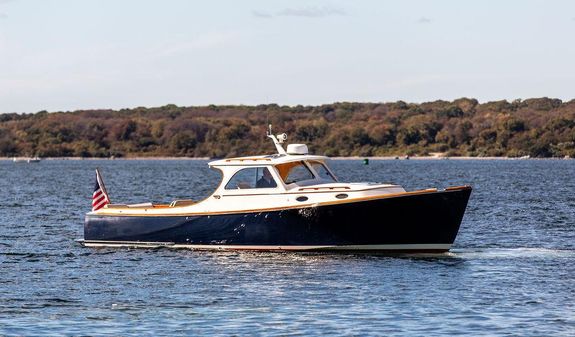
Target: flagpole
{"points": [[101, 183]]}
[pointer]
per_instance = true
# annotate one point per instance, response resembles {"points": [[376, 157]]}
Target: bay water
{"points": [[511, 270]]}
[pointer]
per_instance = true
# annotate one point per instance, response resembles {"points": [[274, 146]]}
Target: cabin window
{"points": [[322, 171], [253, 177], [294, 172]]}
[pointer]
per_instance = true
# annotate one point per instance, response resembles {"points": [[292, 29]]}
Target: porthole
{"points": [[301, 199], [341, 196]]}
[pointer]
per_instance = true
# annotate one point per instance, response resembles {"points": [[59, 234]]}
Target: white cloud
{"points": [[307, 12], [4, 15], [311, 12], [262, 15]]}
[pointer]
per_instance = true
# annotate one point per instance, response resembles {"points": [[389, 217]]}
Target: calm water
{"points": [[511, 272]]}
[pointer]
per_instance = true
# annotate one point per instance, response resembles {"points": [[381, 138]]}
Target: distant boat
{"points": [[26, 159]]}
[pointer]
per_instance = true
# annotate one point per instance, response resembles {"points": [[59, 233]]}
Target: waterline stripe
{"points": [[391, 247]]}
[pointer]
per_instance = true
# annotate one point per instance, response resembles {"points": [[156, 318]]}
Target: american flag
{"points": [[100, 197]]}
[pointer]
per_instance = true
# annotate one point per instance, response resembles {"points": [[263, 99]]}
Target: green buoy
{"points": [[366, 161]]}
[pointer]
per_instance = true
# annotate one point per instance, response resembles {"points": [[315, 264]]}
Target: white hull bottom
{"points": [[387, 248]]}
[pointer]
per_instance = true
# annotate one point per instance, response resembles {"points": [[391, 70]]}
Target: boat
{"points": [[26, 159], [287, 201]]}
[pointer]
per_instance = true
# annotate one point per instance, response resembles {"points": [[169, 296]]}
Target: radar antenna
{"points": [[278, 140]]}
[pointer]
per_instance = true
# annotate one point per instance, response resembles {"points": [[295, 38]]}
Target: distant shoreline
{"points": [[332, 158], [536, 127]]}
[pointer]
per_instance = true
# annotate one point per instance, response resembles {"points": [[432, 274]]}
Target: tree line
{"points": [[538, 127]]}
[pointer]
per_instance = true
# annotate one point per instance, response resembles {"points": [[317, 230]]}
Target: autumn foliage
{"points": [[539, 127]]}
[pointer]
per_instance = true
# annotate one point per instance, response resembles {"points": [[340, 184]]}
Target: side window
{"points": [[253, 177]]}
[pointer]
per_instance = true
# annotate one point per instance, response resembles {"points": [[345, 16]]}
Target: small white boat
{"points": [[26, 159], [290, 200]]}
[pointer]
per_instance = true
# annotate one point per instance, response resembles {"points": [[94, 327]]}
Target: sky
{"points": [[61, 55]]}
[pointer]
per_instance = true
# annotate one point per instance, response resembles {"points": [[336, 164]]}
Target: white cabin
{"points": [[289, 179]]}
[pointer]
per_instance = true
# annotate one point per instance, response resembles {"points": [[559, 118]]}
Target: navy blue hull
{"points": [[428, 218]]}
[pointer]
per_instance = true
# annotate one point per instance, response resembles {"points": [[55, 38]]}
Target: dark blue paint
{"points": [[412, 219]]}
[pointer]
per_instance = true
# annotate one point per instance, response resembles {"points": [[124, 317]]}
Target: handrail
{"points": [[248, 159], [324, 188]]}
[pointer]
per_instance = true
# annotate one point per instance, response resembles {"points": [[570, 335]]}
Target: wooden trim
{"points": [[282, 159], [462, 187], [311, 192], [328, 203]]}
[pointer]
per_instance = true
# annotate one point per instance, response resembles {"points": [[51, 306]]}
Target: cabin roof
{"points": [[273, 159]]}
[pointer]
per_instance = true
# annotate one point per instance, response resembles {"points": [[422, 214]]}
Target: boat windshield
{"points": [[299, 171], [322, 171], [294, 172]]}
